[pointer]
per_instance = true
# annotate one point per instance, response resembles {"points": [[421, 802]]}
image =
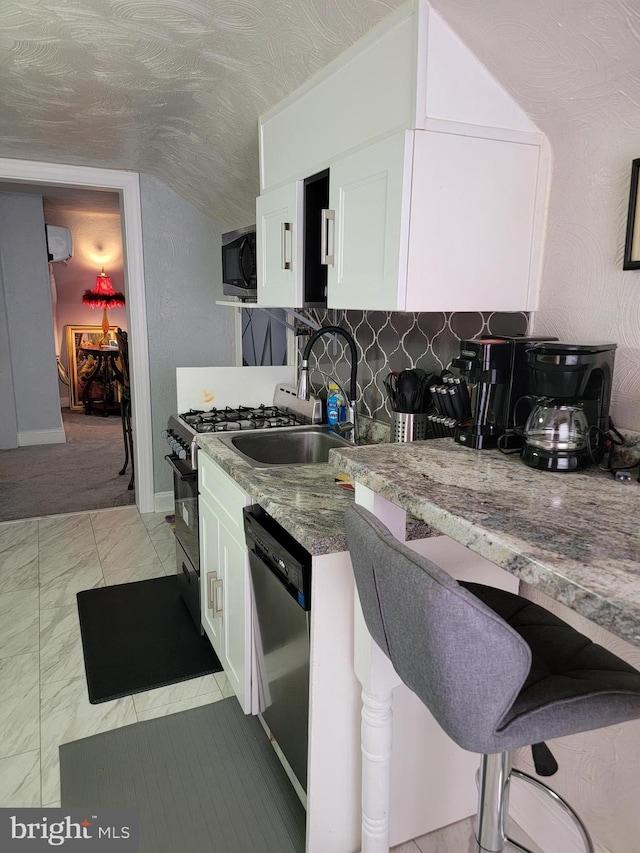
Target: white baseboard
{"points": [[163, 502], [41, 436], [64, 402]]}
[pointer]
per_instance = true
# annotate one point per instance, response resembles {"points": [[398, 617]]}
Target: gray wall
{"points": [[183, 280], [27, 298], [8, 421]]}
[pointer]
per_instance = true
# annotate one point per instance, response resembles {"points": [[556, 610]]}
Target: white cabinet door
{"points": [[279, 241], [210, 577], [226, 603], [236, 616], [369, 194], [473, 240]]}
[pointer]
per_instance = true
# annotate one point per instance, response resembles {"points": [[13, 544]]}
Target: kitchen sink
{"points": [[307, 445]]}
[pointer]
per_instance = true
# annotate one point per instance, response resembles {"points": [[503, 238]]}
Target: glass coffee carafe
{"points": [[556, 434]]}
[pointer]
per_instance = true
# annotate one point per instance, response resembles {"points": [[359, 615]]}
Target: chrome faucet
{"points": [[303, 382]]}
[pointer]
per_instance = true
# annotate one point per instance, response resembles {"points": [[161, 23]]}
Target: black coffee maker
{"points": [[568, 408], [496, 372]]}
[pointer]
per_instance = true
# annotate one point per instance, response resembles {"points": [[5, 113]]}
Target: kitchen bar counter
{"points": [[575, 536], [304, 499]]}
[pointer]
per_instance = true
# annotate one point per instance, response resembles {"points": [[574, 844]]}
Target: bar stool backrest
{"points": [[463, 661]]}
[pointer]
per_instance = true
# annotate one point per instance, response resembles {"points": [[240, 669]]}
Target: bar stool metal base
{"points": [[494, 777]]}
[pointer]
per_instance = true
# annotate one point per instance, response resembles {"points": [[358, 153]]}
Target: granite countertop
{"points": [[575, 536], [304, 499]]}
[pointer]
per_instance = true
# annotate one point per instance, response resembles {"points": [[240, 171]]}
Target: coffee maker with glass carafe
{"points": [[568, 409]]}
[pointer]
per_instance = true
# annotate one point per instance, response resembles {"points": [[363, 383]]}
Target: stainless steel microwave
{"points": [[239, 276]]}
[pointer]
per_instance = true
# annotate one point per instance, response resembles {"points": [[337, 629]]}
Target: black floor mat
{"points": [[137, 636]]}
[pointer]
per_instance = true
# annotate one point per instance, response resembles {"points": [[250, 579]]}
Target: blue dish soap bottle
{"points": [[336, 406]]}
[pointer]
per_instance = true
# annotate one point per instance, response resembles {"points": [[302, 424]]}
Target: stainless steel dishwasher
{"points": [[281, 580]]}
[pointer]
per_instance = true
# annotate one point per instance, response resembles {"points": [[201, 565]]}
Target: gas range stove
{"points": [[240, 418], [182, 430]]}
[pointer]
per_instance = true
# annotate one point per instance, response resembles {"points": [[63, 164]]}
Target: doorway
{"points": [[126, 184], [46, 474]]}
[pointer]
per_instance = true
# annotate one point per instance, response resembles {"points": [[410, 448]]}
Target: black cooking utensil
{"points": [[423, 399], [408, 386], [390, 392], [391, 385]]}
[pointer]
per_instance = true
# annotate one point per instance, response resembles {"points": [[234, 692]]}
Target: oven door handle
{"points": [[183, 471]]}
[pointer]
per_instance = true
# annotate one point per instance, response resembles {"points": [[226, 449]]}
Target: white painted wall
{"points": [[598, 771], [574, 67]]}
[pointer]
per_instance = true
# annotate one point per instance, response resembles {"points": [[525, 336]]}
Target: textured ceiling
{"points": [[58, 199], [577, 61], [172, 88]]}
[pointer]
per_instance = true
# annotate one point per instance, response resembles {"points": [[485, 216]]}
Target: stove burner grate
{"points": [[240, 418]]}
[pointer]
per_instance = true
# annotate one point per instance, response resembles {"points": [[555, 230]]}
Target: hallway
{"points": [[77, 476]]}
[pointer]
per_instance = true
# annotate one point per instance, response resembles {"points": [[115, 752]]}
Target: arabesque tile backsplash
{"points": [[389, 341]]}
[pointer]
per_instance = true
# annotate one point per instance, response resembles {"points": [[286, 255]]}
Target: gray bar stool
{"points": [[496, 671]]}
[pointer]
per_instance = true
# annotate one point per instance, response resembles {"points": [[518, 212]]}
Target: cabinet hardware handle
{"points": [[287, 227], [212, 577], [327, 216], [217, 598]]}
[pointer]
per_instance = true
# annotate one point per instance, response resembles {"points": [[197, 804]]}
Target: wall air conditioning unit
{"points": [[59, 243]]}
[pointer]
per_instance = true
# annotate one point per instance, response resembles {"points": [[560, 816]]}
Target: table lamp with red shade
{"points": [[103, 296]]}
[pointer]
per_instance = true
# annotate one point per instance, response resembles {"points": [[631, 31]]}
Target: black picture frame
{"points": [[632, 241]]}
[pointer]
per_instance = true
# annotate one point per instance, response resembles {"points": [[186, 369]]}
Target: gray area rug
{"points": [[82, 474], [204, 781]]}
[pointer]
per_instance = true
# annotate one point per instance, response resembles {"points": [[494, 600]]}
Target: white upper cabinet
{"points": [[369, 203], [279, 246], [426, 221], [472, 225], [438, 179], [368, 91]]}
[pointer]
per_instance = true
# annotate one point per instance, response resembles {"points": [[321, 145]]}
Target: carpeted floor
{"points": [[81, 474]]}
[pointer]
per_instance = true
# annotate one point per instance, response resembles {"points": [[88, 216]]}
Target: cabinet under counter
{"points": [[307, 502]]}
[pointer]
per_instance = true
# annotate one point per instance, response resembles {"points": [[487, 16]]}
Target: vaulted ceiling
{"points": [[172, 88]]}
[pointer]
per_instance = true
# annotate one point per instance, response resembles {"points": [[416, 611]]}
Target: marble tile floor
{"points": [[43, 697], [458, 838]]}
